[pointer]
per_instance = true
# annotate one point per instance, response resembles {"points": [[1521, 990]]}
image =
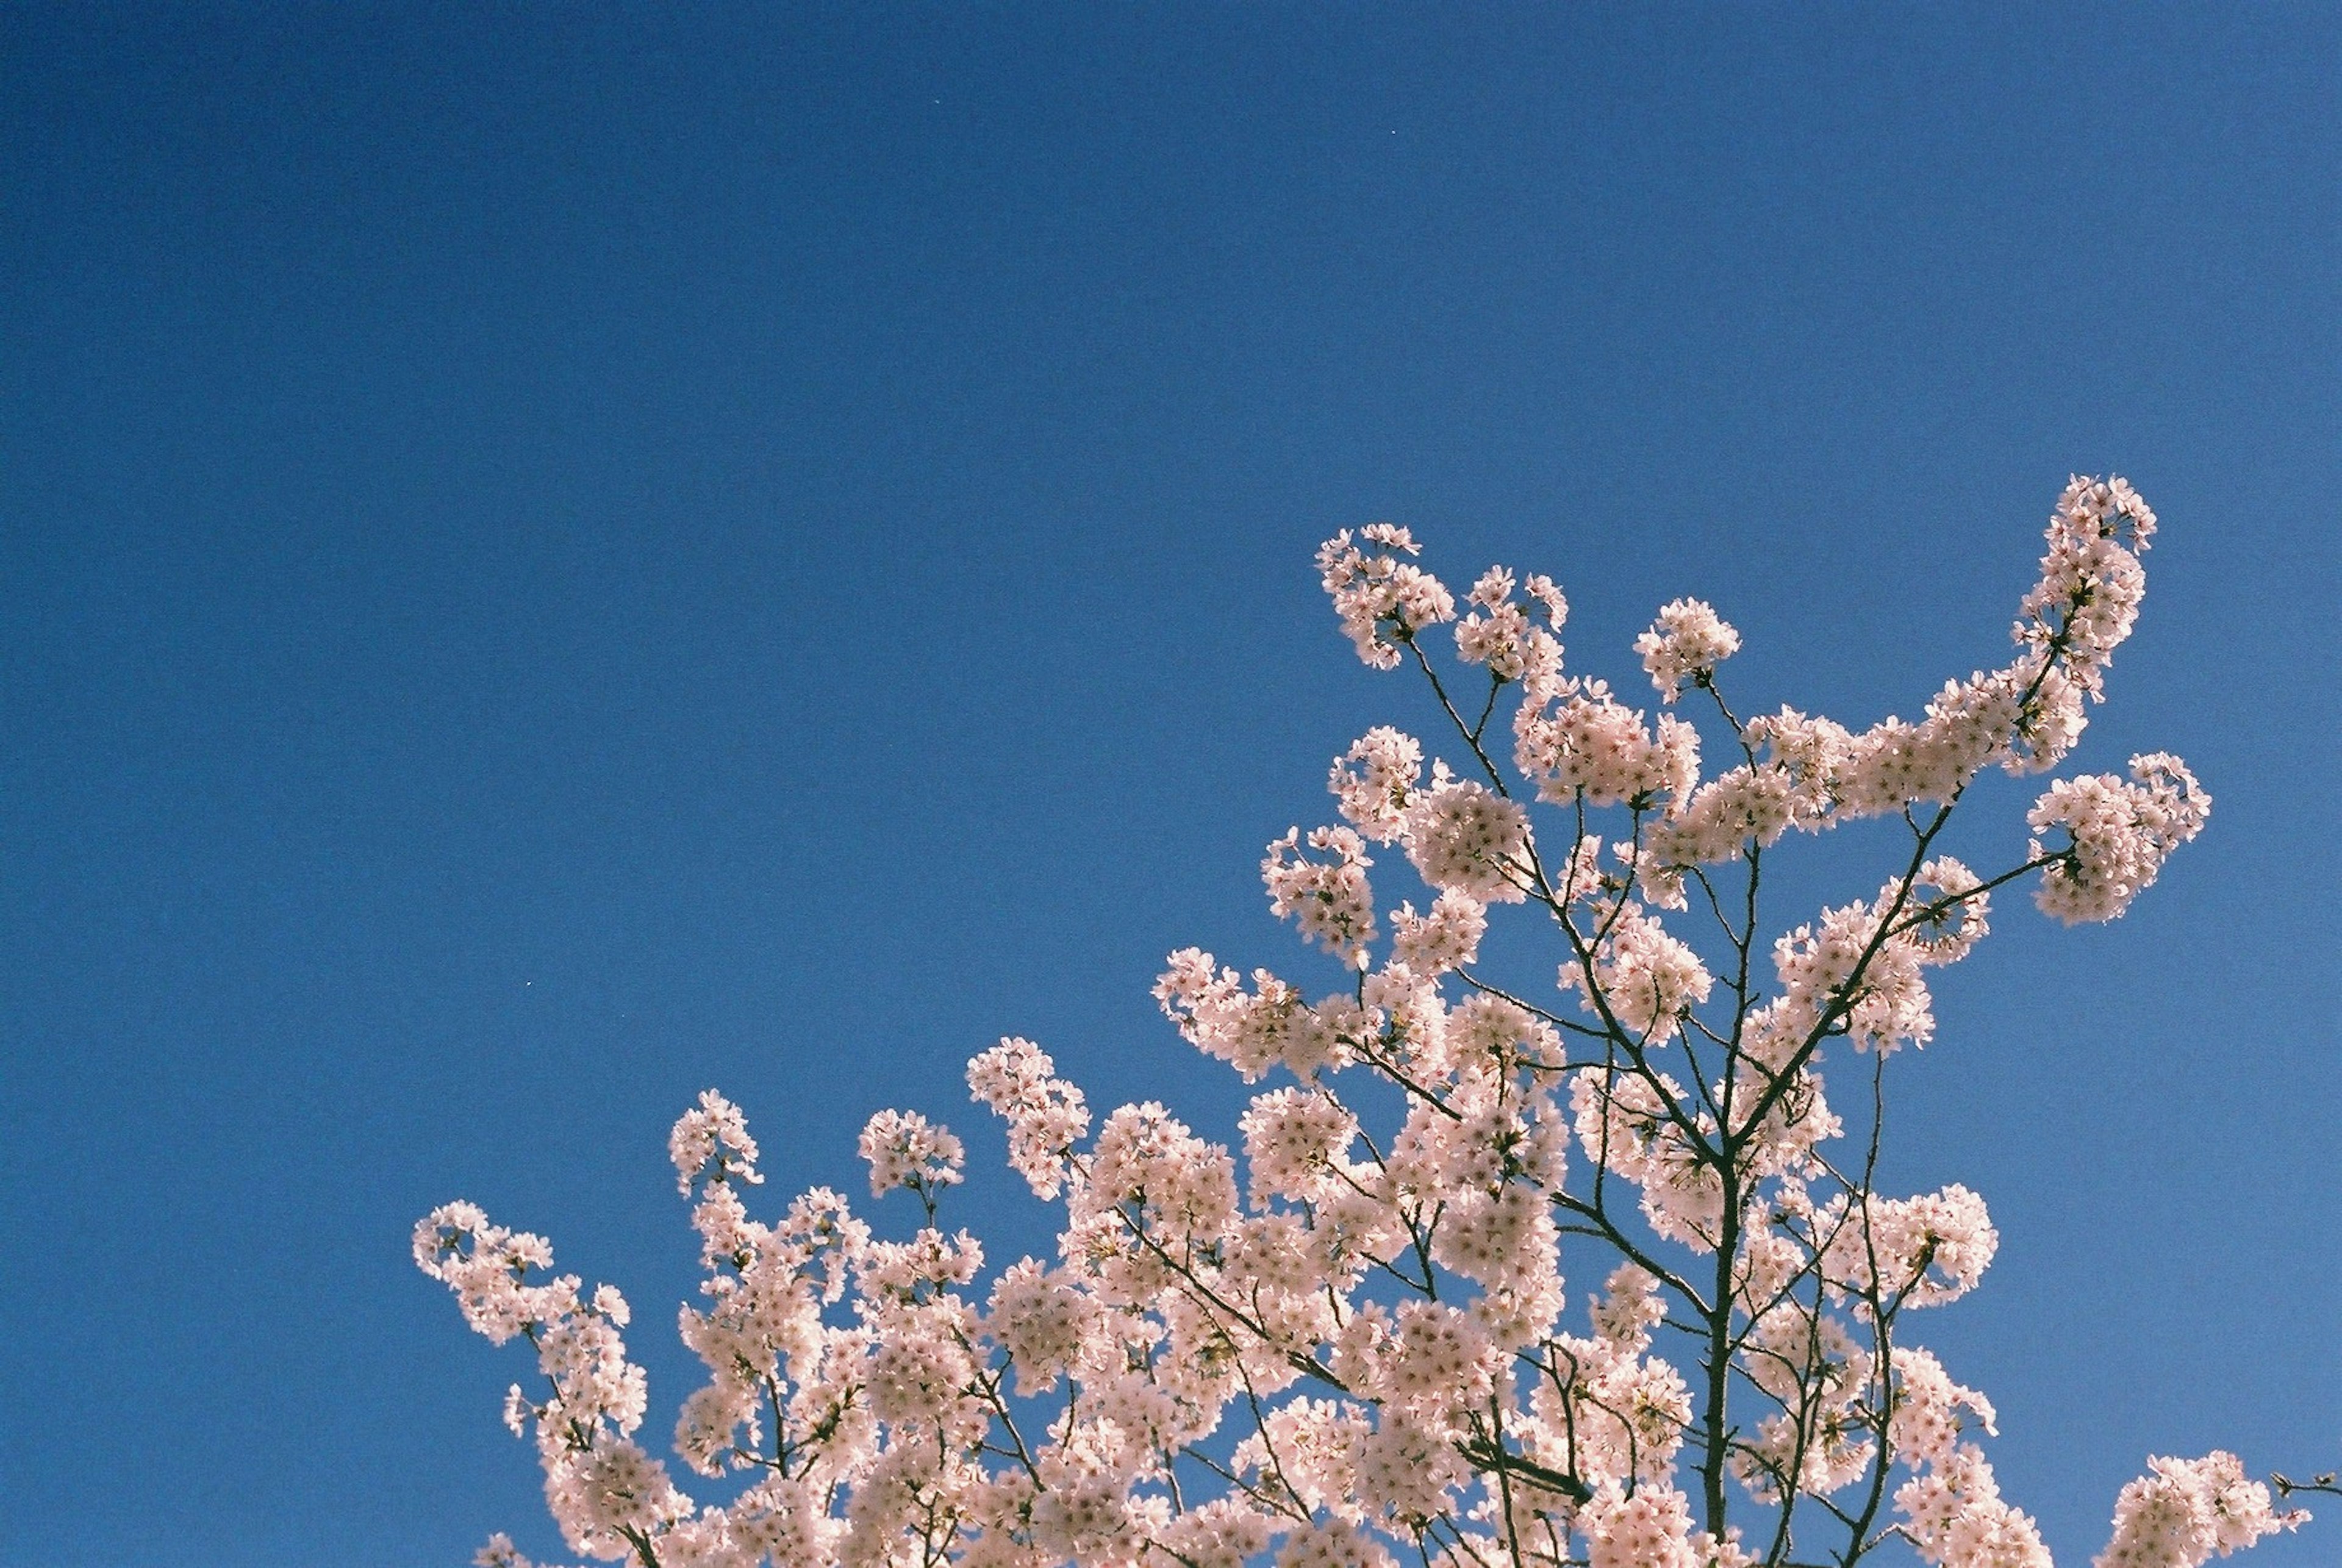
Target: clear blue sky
{"points": [[554, 558]]}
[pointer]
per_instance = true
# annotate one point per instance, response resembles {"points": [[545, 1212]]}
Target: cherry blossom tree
{"points": [[1349, 1344]]}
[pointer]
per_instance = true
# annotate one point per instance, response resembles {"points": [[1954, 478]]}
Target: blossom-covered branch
{"points": [[1352, 1344]]}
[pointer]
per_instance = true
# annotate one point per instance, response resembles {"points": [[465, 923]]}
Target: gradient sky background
{"points": [[555, 559]]}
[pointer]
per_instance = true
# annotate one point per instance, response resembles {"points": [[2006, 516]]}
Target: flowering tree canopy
{"points": [[1351, 1344]]}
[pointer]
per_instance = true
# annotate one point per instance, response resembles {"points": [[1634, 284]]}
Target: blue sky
{"points": [[555, 560]]}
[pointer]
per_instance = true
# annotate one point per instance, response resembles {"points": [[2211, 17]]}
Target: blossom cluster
{"points": [[1345, 1341]]}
